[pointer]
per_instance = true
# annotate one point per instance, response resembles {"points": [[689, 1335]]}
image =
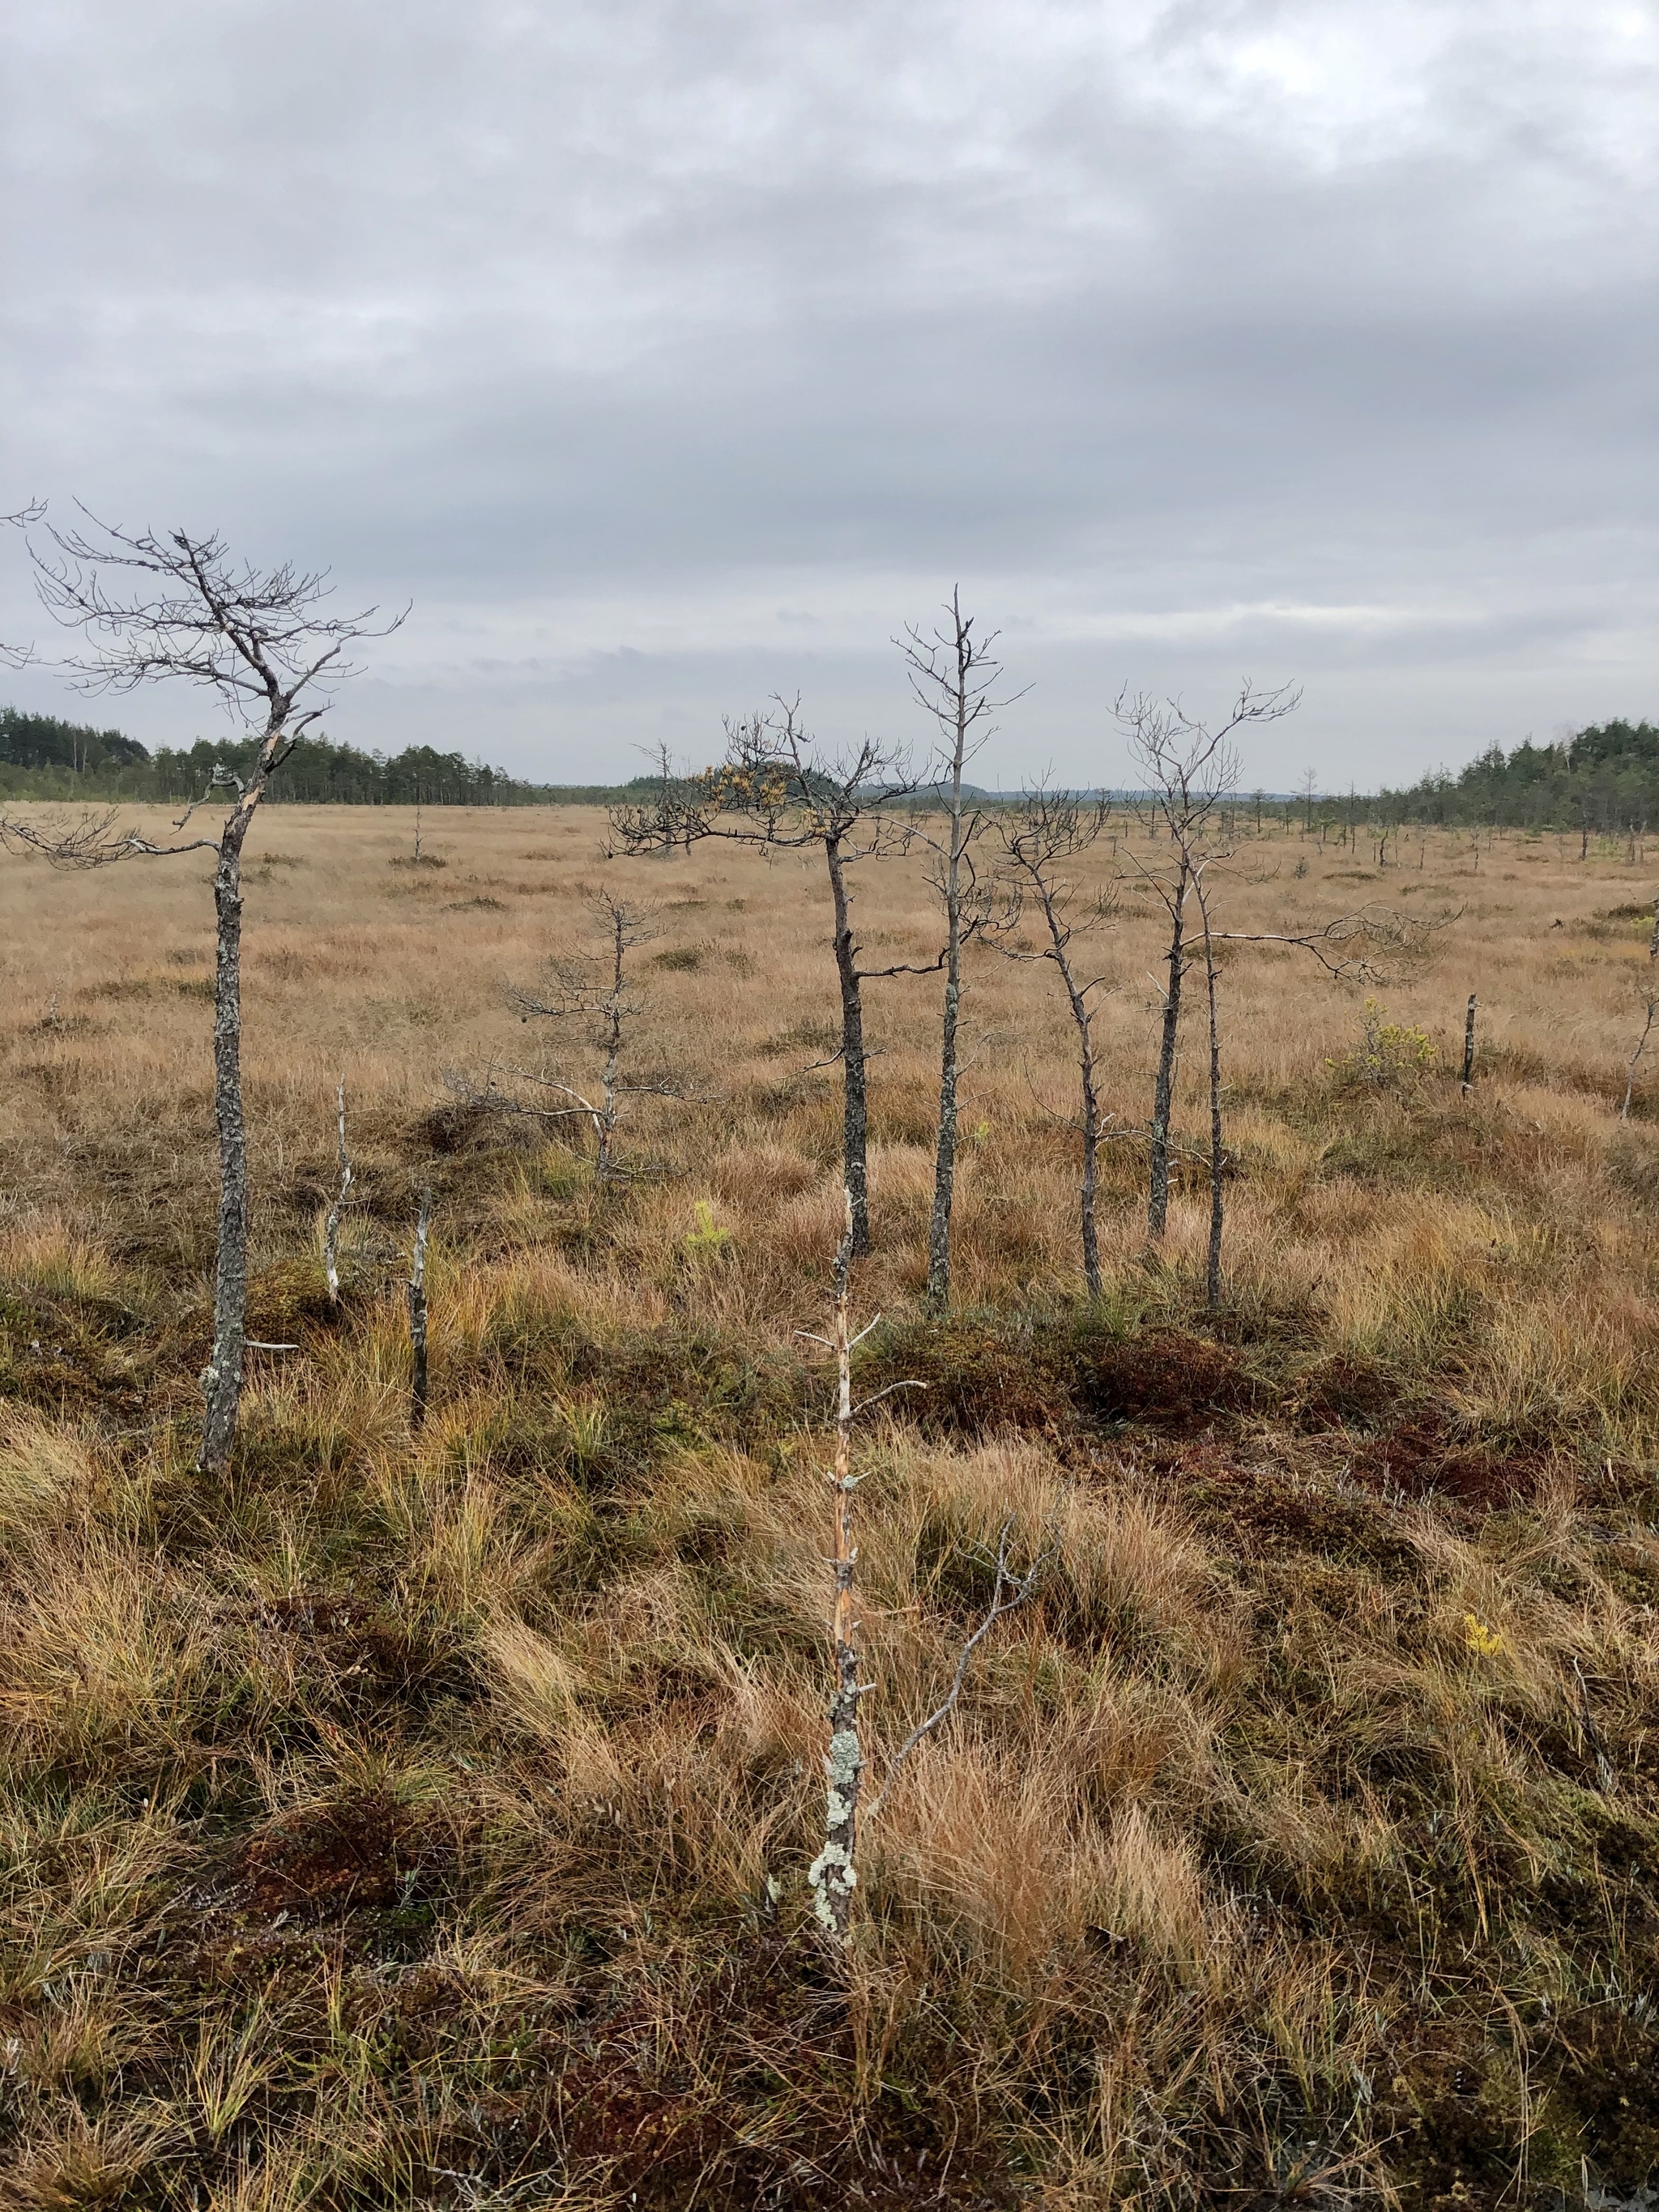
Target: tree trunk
{"points": [[1157, 1190], [1213, 1270], [945, 1159], [1084, 1021], [1090, 1170], [855, 1122], [1468, 1046], [833, 1875], [945, 1163], [221, 1379]]}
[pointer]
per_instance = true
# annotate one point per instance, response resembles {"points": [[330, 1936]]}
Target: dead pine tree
{"points": [[1187, 767], [1467, 1084], [1050, 829], [777, 789], [154, 606], [953, 675], [594, 992], [832, 1877]]}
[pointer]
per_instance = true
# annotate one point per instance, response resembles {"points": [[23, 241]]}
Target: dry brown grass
{"points": [[421, 1820]]}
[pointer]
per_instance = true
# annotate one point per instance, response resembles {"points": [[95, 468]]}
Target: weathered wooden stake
{"points": [[418, 1313], [332, 1227]]}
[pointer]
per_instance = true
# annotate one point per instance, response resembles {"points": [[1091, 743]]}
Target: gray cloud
{"points": [[666, 356]]}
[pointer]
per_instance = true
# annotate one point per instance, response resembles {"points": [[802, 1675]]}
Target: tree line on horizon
{"points": [[1604, 780], [42, 757]]}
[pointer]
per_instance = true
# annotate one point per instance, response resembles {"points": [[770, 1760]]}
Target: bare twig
{"points": [[1010, 1591]]}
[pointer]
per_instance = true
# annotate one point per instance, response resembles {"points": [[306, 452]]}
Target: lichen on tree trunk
{"points": [[221, 1379], [833, 1875]]}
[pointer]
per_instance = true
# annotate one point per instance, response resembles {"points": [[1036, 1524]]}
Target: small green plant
{"points": [[979, 1134], [1487, 1642], [707, 1241], [1389, 1057], [586, 1423]]}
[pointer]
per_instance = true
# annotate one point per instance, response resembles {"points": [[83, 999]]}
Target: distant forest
{"points": [[1603, 782], [42, 757]]}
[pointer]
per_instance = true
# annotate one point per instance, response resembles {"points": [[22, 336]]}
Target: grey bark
{"points": [[1217, 1155], [1157, 1189], [833, 1875], [221, 1379], [944, 1156], [1468, 1046], [855, 1101]]}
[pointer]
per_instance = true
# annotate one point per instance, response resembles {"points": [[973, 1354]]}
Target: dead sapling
{"points": [[593, 993], [832, 1877], [1189, 768], [417, 1378], [953, 675], [1051, 828], [777, 789], [331, 1225], [174, 605], [1467, 1083]]}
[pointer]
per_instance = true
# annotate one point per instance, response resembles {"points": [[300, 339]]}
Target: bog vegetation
{"points": [[419, 1811]]}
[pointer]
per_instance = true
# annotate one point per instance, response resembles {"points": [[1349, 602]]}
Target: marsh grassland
{"points": [[420, 1819]]}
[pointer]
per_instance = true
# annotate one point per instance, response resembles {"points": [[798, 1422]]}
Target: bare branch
{"points": [[170, 604], [1018, 1589], [92, 842]]}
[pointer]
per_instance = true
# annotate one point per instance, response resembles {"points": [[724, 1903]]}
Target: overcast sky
{"points": [[668, 355]]}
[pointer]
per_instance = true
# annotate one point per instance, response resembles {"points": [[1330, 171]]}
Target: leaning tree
{"points": [[154, 606]]}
